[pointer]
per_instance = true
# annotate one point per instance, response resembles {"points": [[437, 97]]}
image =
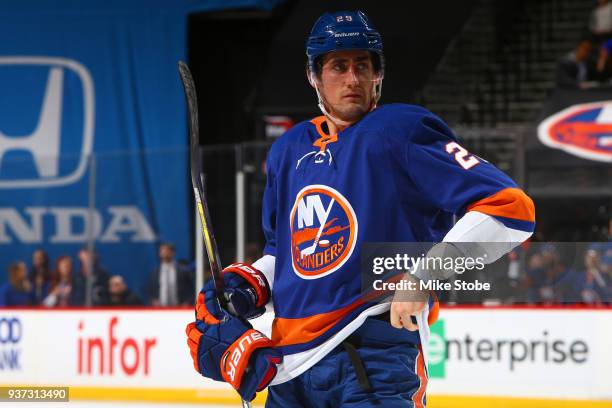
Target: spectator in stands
{"points": [[597, 283], [90, 269], [600, 23], [171, 283], [18, 290], [576, 69], [604, 63], [535, 277], [61, 290], [40, 276], [551, 281], [598, 268], [119, 294]]}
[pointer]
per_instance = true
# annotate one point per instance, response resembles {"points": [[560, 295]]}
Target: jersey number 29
{"points": [[462, 156]]}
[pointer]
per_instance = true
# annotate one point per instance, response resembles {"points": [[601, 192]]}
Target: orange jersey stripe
{"points": [[508, 203], [434, 311], [286, 332], [417, 397]]}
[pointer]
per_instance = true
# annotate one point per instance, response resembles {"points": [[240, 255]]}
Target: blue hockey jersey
{"points": [[397, 175]]}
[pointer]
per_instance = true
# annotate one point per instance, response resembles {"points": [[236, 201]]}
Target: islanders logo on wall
{"points": [[583, 130], [323, 231]]}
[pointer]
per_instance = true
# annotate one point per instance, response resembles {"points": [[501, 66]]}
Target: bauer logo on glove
{"points": [[226, 348], [236, 359]]}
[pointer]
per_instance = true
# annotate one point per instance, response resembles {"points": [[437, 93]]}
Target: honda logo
{"points": [[44, 144]]}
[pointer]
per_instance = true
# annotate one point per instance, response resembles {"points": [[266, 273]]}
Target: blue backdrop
{"points": [[95, 79]]}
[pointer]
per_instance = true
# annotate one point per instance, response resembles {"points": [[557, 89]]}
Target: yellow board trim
{"points": [[195, 396], [230, 398]]}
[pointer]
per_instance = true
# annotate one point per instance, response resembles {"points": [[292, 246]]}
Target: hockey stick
{"points": [[197, 182], [310, 250]]}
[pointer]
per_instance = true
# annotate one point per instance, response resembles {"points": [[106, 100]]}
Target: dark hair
{"points": [[169, 245], [12, 271], [46, 272]]}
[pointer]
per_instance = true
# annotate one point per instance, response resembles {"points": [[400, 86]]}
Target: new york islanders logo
{"points": [[323, 231], [583, 130]]}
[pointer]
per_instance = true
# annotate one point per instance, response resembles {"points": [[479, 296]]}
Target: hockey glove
{"points": [[226, 348], [246, 290]]}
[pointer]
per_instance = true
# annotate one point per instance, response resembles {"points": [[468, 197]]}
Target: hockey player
{"points": [[358, 173]]}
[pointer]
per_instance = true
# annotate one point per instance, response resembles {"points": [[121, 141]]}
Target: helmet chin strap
{"points": [[377, 90]]}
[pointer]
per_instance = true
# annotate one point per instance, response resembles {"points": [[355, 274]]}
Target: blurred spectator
{"points": [[119, 294], [598, 268], [598, 284], [40, 276], [535, 277], [61, 290], [576, 69], [18, 290], [171, 283], [551, 281], [604, 62], [600, 23], [90, 268]]}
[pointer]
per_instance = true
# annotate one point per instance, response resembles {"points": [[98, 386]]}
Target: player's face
{"points": [[347, 83]]}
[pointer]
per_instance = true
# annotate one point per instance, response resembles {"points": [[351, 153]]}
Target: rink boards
{"points": [[521, 356]]}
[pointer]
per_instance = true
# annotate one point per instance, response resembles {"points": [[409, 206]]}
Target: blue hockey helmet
{"points": [[344, 30]]}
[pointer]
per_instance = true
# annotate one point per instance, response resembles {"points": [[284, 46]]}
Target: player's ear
{"points": [[379, 78]]}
